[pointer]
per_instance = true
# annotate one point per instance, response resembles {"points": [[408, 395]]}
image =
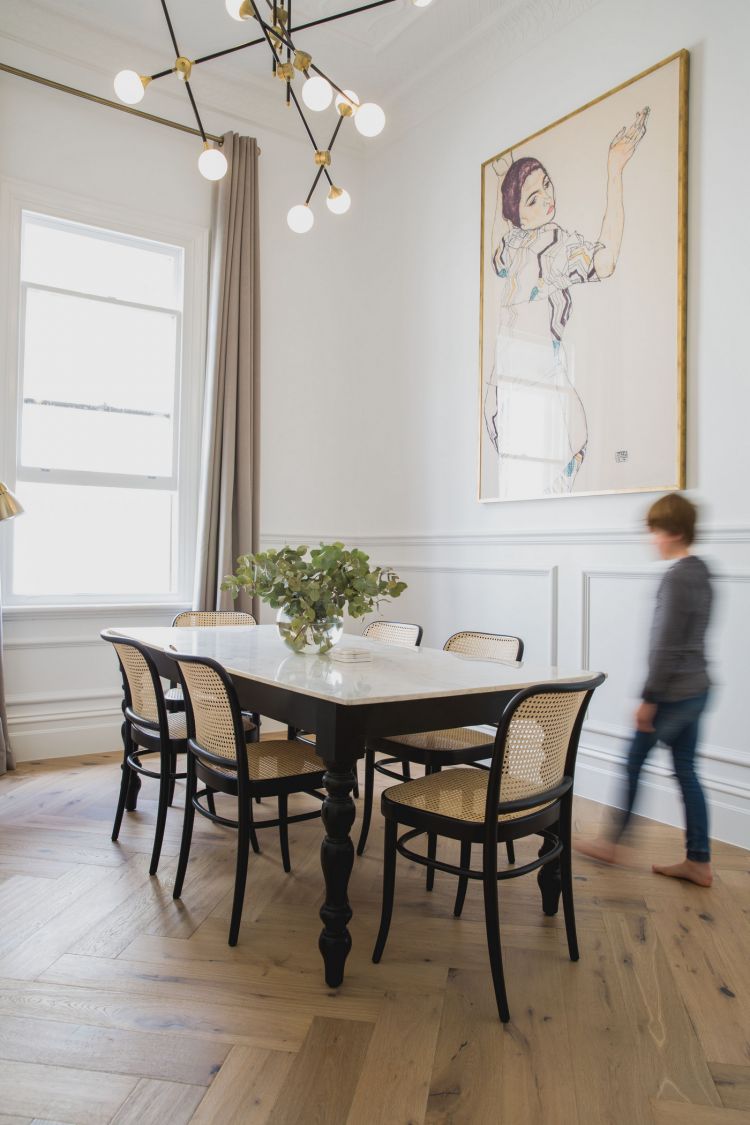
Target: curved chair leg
{"points": [[161, 812], [463, 880], [125, 780], [240, 879], [187, 828], [511, 850], [367, 809], [566, 877], [284, 831], [172, 779], [389, 883], [407, 770], [492, 924], [431, 842], [251, 827], [210, 802]]}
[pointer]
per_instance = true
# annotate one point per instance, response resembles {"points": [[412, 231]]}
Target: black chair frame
{"points": [[237, 784], [552, 822], [152, 738], [432, 760]]}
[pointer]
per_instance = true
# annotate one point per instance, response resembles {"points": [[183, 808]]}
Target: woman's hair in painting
{"points": [[512, 185]]}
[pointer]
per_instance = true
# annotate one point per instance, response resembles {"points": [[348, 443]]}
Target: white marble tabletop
{"points": [[393, 674]]}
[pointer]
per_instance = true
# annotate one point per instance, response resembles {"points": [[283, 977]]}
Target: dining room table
{"points": [[387, 690]]}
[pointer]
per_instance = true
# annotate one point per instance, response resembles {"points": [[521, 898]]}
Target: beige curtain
{"points": [[6, 756], [228, 513]]}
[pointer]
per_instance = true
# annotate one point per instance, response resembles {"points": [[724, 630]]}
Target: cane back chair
{"points": [[220, 757], [148, 729], [528, 790], [206, 619], [438, 748]]}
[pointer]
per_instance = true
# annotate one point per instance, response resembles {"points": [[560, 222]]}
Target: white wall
{"points": [[574, 576], [369, 401], [63, 689]]}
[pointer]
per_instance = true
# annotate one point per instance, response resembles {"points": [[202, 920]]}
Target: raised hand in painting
{"points": [[626, 141]]}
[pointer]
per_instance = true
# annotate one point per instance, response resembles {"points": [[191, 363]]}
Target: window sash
{"points": [[25, 471]]}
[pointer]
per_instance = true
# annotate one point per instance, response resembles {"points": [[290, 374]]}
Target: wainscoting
{"points": [[580, 598]]}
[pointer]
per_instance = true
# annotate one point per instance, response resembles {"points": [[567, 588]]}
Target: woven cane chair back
{"points": [[537, 743], [485, 646], [394, 633], [213, 718], [197, 619], [140, 680]]}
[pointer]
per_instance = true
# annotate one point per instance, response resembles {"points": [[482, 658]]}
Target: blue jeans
{"points": [[676, 725]]}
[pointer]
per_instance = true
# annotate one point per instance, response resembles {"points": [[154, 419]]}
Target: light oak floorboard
{"points": [[155, 1103], [120, 1005], [246, 1088]]}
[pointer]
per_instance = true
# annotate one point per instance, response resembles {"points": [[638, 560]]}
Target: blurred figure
{"points": [[676, 689]]}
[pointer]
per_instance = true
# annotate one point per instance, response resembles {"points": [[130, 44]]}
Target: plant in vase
{"points": [[312, 593]]}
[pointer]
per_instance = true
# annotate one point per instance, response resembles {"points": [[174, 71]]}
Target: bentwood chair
{"points": [[438, 748], [528, 790], [148, 729], [219, 756], [203, 619], [401, 633]]}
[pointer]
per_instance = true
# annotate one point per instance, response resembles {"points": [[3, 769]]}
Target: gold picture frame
{"points": [[534, 385]]}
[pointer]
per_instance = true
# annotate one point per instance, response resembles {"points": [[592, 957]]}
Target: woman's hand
{"points": [[644, 717], [626, 142]]}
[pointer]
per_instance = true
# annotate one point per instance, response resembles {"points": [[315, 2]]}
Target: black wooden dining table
{"points": [[397, 691]]}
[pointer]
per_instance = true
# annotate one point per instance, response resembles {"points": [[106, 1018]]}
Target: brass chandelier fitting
{"points": [[318, 92]]}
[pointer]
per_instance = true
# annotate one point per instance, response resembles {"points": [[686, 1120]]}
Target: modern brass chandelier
{"points": [[289, 60]]}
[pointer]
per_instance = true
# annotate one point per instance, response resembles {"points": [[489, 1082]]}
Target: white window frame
{"points": [[15, 198]]}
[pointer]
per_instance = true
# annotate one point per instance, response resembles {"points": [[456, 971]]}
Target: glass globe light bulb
{"points": [[300, 218], [212, 164], [237, 9], [351, 100], [338, 201], [369, 119], [421, 3], [129, 87], [317, 93]]}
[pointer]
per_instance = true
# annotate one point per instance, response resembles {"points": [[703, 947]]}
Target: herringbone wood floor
{"points": [[118, 1004]]}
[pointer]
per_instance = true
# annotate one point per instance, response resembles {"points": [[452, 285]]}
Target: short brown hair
{"points": [[674, 514]]}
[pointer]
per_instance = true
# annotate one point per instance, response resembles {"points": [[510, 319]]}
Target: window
{"points": [[99, 416]]}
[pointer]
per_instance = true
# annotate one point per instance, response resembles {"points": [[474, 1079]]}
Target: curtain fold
{"points": [[6, 755], [228, 504]]}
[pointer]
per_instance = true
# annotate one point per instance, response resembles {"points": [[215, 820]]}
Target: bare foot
{"points": [[698, 873], [604, 851]]}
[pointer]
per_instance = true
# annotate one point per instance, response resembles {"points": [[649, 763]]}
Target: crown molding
{"points": [[477, 37]]}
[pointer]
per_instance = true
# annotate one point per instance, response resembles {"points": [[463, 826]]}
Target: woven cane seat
{"points": [[273, 759], [456, 738], [393, 633], [457, 794], [177, 727], [202, 619]]}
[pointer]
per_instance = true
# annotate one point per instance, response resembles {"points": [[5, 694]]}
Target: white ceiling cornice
{"points": [[419, 60]]}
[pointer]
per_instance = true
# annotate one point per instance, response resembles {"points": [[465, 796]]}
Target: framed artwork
{"points": [[583, 299]]}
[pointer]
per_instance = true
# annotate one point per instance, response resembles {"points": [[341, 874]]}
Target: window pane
{"points": [[94, 541], [98, 386], [72, 256]]}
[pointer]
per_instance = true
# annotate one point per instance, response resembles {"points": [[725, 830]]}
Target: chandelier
{"points": [[289, 60]]}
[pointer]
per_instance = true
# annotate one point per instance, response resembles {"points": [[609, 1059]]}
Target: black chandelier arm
{"points": [[162, 73], [284, 38], [229, 51], [343, 15], [171, 29], [195, 111], [318, 174]]}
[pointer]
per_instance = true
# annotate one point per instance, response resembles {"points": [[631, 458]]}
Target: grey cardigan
{"points": [[677, 657]]}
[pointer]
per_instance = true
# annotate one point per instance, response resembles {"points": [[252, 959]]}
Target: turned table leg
{"points": [[337, 858]]}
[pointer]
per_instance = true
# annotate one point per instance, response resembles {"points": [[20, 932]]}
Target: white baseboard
{"points": [[599, 777]]}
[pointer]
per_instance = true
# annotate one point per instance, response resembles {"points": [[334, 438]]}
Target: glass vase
{"points": [[318, 637]]}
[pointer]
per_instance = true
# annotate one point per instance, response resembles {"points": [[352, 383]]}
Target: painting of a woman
{"points": [[534, 417]]}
